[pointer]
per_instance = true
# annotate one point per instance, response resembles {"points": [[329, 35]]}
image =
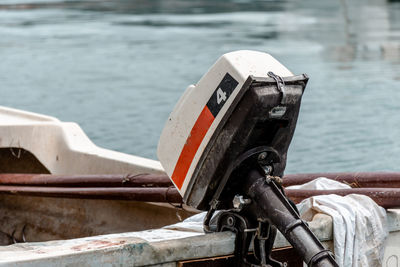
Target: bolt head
{"points": [[230, 221], [262, 156]]}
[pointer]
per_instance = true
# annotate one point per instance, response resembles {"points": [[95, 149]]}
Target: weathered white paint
{"points": [[392, 248], [128, 249], [160, 246]]}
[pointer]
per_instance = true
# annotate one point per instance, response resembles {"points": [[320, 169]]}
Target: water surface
{"points": [[118, 67]]}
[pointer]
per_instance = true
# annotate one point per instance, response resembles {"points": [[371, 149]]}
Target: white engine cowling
{"points": [[202, 107]]}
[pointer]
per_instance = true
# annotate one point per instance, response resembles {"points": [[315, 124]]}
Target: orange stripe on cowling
{"points": [[193, 142]]}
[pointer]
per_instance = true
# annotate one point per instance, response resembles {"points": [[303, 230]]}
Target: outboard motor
{"points": [[224, 147]]}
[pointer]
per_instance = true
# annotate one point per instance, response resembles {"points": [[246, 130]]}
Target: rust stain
{"points": [[97, 244]]}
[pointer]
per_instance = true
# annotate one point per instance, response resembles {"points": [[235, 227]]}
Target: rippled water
{"points": [[118, 67]]}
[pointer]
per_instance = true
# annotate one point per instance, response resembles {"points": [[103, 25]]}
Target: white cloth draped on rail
{"points": [[359, 224]]}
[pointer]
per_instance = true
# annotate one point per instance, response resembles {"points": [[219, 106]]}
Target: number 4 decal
{"points": [[221, 96]]}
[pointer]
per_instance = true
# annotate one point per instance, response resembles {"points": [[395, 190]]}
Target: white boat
{"points": [[87, 232], [33, 143]]}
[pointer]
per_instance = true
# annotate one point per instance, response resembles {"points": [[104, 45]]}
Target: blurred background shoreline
{"points": [[118, 67]]}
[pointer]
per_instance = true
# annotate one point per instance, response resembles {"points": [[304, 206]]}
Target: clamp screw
{"points": [[239, 202]]}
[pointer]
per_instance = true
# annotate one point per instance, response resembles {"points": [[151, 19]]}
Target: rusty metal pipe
{"points": [[354, 179], [110, 180], [384, 197], [157, 188], [153, 194]]}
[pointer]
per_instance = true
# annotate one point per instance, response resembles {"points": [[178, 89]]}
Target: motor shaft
{"points": [[272, 205]]}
